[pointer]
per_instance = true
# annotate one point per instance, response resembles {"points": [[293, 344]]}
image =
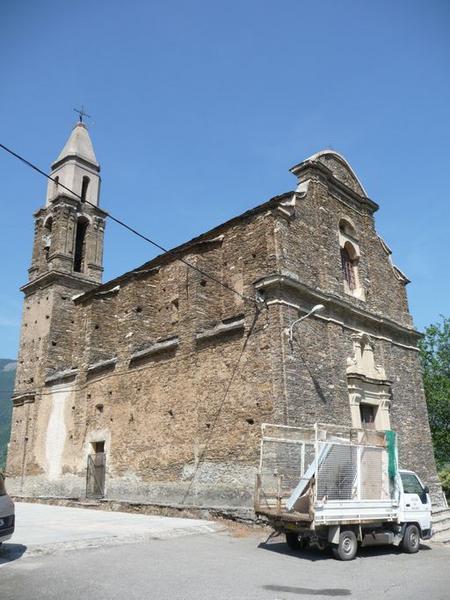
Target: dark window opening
{"points": [[98, 447], [368, 413], [348, 269], [80, 246], [47, 236], [84, 188]]}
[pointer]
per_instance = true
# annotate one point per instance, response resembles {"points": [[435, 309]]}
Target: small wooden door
{"points": [[95, 474]]}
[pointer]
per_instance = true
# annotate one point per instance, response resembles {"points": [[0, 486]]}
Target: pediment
{"points": [[340, 169]]}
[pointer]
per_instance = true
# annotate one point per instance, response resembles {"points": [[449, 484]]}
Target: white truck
{"points": [[334, 486]]}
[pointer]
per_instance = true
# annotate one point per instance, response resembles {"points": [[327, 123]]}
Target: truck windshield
{"points": [[411, 484]]}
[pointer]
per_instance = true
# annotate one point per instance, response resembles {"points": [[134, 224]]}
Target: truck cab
{"points": [[415, 503]]}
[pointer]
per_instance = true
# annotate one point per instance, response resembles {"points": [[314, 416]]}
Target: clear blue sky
{"points": [[199, 109]]}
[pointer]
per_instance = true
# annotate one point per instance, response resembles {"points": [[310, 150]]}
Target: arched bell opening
{"points": [[80, 245]]}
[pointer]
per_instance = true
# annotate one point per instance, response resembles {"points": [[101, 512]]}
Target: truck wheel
{"points": [[292, 540], [347, 547], [411, 539]]}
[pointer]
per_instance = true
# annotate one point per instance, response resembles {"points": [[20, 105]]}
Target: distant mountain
{"points": [[7, 376]]}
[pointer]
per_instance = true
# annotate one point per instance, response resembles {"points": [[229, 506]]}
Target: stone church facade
{"points": [[153, 386]]}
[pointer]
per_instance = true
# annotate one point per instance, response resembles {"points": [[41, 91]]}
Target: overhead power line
{"points": [[219, 410], [129, 228]]}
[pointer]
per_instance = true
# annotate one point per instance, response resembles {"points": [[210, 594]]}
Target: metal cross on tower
{"points": [[81, 113]]}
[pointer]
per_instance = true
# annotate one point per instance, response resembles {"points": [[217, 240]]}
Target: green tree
{"points": [[435, 354]]}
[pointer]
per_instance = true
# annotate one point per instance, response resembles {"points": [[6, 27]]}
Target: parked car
{"points": [[6, 513]]}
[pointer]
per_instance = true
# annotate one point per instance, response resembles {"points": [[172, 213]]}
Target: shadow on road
{"points": [[311, 554], [314, 554], [10, 552], [308, 591]]}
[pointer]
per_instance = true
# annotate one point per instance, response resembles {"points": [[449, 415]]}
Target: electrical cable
{"points": [[222, 402], [189, 265], [129, 228]]}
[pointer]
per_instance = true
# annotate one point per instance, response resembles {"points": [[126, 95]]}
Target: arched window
{"points": [[80, 245], [350, 253], [84, 188], [349, 266]]}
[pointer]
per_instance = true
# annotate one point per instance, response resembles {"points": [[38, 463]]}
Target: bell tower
{"points": [[66, 261], [69, 228]]}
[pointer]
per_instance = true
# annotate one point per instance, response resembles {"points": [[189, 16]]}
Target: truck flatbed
{"points": [[334, 486]]}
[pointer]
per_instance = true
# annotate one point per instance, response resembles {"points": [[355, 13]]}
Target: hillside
{"points": [[7, 375]]}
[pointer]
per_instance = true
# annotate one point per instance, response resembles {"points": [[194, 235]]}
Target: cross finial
{"points": [[81, 113]]}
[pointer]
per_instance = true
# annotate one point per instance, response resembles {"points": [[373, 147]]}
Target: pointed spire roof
{"points": [[78, 145]]}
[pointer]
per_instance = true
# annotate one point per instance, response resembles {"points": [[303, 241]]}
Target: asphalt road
{"points": [[219, 566], [45, 528]]}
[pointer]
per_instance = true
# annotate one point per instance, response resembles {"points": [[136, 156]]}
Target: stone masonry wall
{"points": [[316, 362], [176, 374], [181, 424], [311, 250]]}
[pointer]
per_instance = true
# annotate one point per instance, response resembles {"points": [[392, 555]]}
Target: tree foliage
{"points": [[435, 354]]}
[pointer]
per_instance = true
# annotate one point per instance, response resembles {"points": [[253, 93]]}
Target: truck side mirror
{"points": [[426, 490]]}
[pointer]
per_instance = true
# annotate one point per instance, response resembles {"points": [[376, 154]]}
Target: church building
{"points": [[153, 387]]}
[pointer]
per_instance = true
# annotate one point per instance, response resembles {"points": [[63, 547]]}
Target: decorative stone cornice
{"points": [[61, 376], [157, 347], [397, 272], [222, 328], [334, 183], [63, 200], [214, 241], [286, 208], [23, 398], [75, 158], [103, 293], [352, 378], [286, 280], [70, 279], [102, 365]]}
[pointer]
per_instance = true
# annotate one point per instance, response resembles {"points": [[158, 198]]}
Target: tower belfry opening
{"points": [[84, 188], [71, 221], [80, 245]]}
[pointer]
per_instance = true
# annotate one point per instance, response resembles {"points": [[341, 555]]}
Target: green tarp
{"points": [[391, 440]]}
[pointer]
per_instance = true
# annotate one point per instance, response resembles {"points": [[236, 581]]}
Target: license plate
{"points": [[2, 522]]}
